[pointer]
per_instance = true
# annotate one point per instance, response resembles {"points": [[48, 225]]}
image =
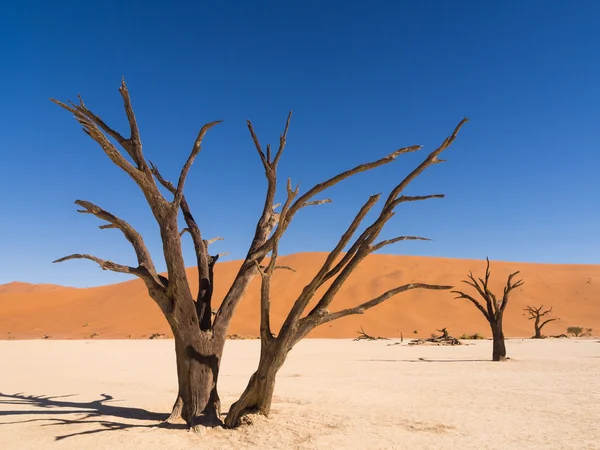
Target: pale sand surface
{"points": [[330, 394], [122, 310]]}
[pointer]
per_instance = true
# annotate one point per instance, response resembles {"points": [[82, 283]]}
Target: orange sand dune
{"points": [[125, 310]]}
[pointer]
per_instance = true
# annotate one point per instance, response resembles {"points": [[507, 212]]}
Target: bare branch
{"points": [[432, 158], [91, 129], [188, 164], [95, 127], [536, 311], [546, 321], [282, 140], [362, 246], [360, 309], [414, 198], [136, 240], [213, 240], [348, 173], [259, 149], [264, 227], [472, 300], [104, 264], [313, 320], [318, 202], [509, 287], [382, 244], [133, 144], [204, 262], [325, 270]]}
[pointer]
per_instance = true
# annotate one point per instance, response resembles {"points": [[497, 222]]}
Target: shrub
{"points": [[579, 331], [472, 336]]}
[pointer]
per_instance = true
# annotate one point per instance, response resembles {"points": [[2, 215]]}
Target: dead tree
{"points": [[337, 267], [494, 309], [200, 334], [363, 336], [536, 314], [444, 339]]}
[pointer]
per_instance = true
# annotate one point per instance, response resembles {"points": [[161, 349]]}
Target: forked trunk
{"points": [[258, 395], [499, 349], [198, 359]]}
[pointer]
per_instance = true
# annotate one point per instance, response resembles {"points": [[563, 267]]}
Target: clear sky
{"points": [[363, 79]]}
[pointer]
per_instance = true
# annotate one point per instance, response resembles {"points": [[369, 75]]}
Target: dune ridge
{"points": [[124, 310]]}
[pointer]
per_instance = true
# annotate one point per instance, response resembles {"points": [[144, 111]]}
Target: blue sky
{"points": [[362, 79]]}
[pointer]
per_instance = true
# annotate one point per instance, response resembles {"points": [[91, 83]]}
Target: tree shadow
{"points": [[49, 406]]}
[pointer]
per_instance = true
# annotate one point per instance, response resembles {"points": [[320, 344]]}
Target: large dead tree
{"points": [[338, 266], [493, 310], [198, 332], [536, 313]]}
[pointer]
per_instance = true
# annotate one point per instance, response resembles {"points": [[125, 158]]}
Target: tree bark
{"points": [[258, 395], [198, 357], [499, 348], [538, 329]]}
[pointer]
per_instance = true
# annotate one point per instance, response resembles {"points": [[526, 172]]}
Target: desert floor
{"points": [[330, 394]]}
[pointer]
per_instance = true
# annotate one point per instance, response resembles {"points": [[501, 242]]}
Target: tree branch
{"points": [[104, 264], [264, 227], [136, 240], [203, 260], [325, 271], [508, 288], [382, 244], [472, 300], [133, 145], [360, 309], [546, 321], [432, 158], [178, 195], [311, 321], [87, 121], [363, 245], [95, 127]]}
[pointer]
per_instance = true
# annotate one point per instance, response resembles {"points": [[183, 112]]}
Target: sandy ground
{"points": [[330, 394], [124, 310]]}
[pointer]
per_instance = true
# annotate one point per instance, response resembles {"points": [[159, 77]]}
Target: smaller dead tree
{"points": [[493, 310], [536, 314]]}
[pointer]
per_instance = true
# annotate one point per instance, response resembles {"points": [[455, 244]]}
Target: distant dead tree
{"points": [[363, 336], [536, 314], [258, 394], [443, 339], [199, 334], [494, 309]]}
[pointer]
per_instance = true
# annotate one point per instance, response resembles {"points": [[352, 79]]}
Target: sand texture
{"points": [[329, 394], [124, 310]]}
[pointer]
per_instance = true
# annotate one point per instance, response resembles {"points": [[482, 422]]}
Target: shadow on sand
{"points": [[48, 407]]}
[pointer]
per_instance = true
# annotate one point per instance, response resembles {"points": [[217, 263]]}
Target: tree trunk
{"points": [[258, 395], [198, 357], [499, 351], [538, 330]]}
